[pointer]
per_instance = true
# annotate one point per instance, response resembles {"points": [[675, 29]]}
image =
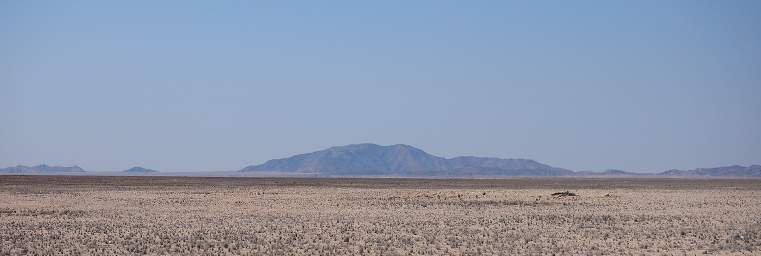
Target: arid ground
{"points": [[73, 215]]}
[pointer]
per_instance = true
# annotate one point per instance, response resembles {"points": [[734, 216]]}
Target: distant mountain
{"points": [[733, 170], [401, 160], [139, 169], [491, 166], [611, 172], [42, 169]]}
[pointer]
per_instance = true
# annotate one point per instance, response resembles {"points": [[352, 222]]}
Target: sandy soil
{"points": [[269, 216]]}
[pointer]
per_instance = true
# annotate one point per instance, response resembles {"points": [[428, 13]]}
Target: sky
{"points": [[218, 85]]}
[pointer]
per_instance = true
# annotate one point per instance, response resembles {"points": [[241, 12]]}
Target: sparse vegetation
{"points": [[564, 193], [108, 215]]}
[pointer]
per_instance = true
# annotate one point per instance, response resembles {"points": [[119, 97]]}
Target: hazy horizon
{"points": [[643, 86]]}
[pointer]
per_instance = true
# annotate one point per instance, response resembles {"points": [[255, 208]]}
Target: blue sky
{"points": [[218, 85]]}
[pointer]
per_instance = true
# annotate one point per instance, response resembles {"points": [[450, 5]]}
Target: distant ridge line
{"points": [[369, 159], [399, 160]]}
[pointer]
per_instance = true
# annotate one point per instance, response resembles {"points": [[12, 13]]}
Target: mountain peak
{"points": [[353, 147], [403, 146]]}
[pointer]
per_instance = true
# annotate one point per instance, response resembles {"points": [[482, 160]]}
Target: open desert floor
{"points": [[81, 215]]}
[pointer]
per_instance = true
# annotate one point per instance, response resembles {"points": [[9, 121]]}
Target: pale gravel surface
{"points": [[111, 216]]}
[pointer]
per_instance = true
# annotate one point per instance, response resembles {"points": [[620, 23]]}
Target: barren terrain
{"points": [[72, 215]]}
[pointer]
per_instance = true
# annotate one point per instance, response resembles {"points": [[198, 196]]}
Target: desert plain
{"points": [[91, 215]]}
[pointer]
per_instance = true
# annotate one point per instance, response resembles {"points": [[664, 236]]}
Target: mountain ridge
{"points": [[401, 160], [731, 170], [42, 168], [138, 169], [368, 159]]}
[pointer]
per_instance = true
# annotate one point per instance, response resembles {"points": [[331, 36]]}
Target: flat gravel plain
{"points": [[98, 215]]}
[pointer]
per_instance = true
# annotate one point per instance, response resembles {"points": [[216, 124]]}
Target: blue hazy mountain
{"points": [[733, 170], [42, 169], [611, 172], [401, 160], [139, 170]]}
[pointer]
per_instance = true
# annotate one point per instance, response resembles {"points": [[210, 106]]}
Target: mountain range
{"points": [[733, 170], [406, 161], [42, 169], [398, 161], [611, 172]]}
